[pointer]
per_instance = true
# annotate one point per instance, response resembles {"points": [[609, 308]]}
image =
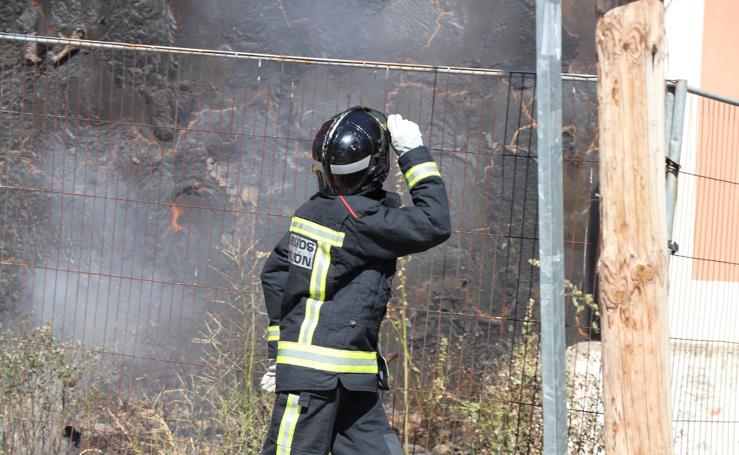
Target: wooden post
{"points": [[633, 263]]}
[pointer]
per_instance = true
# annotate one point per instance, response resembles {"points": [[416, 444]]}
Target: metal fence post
{"points": [[675, 119], [551, 228]]}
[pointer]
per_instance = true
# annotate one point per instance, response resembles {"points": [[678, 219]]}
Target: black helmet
{"points": [[351, 152]]}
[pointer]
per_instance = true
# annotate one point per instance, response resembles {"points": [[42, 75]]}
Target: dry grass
{"points": [[212, 410], [216, 410], [39, 391], [220, 410]]}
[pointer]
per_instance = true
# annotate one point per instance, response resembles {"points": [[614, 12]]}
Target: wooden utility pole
{"points": [[633, 263]]}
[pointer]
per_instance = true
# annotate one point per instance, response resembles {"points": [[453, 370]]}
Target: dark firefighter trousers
{"points": [[338, 421]]}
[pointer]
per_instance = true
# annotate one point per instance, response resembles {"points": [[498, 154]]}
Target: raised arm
{"points": [[393, 232]]}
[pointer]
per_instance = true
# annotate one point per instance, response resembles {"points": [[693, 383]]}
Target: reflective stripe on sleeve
{"points": [[326, 359], [420, 172], [273, 333], [287, 425]]}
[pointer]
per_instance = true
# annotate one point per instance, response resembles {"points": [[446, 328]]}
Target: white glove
{"points": [[405, 135], [268, 380]]}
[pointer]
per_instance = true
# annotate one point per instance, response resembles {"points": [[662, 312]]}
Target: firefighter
{"points": [[328, 280]]}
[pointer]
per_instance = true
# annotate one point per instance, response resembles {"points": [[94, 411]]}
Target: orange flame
{"points": [[176, 212]]}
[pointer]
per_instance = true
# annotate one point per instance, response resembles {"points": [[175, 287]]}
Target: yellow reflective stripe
{"points": [[325, 238], [287, 425], [329, 352], [329, 367], [308, 327], [326, 359], [315, 231], [319, 274], [420, 172], [273, 333]]}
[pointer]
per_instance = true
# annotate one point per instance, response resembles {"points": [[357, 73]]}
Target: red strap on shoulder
{"points": [[348, 207]]}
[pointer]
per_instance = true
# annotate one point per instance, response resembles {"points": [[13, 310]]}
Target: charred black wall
{"points": [[101, 123]]}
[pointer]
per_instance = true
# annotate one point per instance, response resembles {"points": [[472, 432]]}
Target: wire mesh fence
{"points": [[704, 280], [142, 189]]}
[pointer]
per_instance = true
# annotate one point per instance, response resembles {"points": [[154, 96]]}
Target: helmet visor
{"points": [[343, 179]]}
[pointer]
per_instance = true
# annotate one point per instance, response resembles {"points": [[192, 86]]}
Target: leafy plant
{"points": [[40, 390], [581, 301], [506, 416]]}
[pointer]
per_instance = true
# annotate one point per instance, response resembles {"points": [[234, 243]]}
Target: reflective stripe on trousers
{"points": [[287, 425], [337, 421]]}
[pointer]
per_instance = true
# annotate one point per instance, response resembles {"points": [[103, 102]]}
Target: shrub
{"points": [[40, 390]]}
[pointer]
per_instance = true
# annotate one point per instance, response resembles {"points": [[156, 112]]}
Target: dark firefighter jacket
{"points": [[328, 280]]}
